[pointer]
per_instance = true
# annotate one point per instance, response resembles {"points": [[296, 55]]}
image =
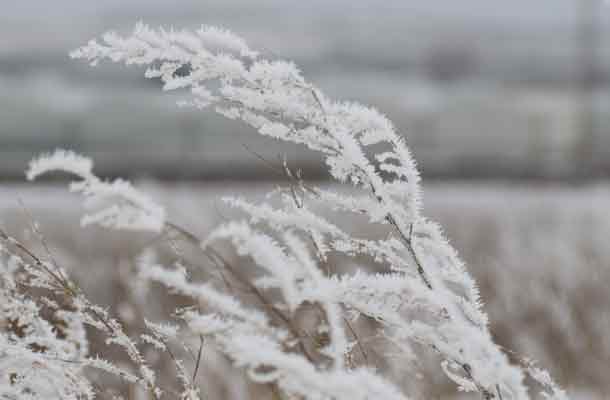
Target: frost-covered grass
{"points": [[343, 293], [541, 261]]}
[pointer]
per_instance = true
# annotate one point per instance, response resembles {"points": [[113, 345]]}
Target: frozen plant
{"points": [[43, 340], [421, 298]]}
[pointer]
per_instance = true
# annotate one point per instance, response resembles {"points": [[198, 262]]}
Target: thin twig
{"points": [[499, 392], [409, 244], [358, 342], [199, 354]]}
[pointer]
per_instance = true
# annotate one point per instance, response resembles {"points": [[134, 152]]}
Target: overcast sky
{"points": [[60, 24], [509, 10]]}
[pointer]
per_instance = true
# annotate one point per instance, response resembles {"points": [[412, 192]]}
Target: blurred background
{"points": [[505, 104], [482, 89]]}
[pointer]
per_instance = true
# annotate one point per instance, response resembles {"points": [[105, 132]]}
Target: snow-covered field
{"points": [[539, 253]]}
